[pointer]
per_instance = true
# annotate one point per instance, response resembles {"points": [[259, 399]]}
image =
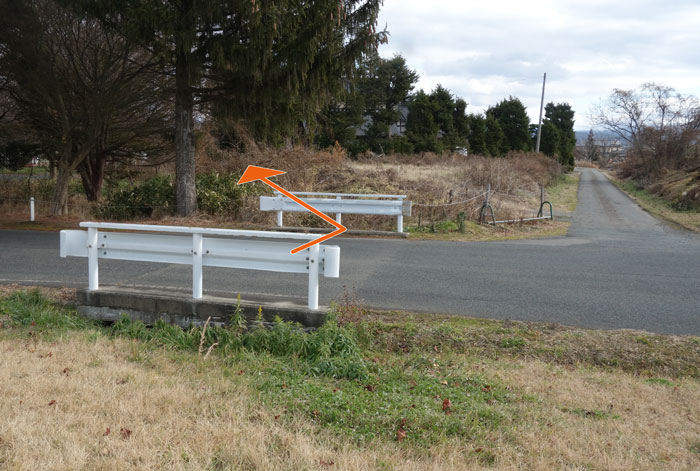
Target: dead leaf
{"points": [[400, 435], [446, 405], [107, 432], [478, 450], [240, 372], [122, 380], [277, 417], [125, 433], [52, 402], [66, 371], [444, 383], [486, 388], [326, 463], [370, 388], [315, 412], [284, 385]]}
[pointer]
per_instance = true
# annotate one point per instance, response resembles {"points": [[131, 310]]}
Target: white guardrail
{"points": [[341, 203], [201, 247]]}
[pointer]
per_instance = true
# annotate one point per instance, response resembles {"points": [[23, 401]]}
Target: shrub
{"points": [[155, 194], [218, 193]]}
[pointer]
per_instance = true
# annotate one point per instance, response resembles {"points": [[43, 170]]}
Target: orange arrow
{"points": [[253, 173]]}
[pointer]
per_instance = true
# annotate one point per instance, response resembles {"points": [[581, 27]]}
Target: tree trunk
{"points": [[186, 195], [92, 171], [59, 202]]}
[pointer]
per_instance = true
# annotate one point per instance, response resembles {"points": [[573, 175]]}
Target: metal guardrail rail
{"points": [[341, 203], [201, 247]]}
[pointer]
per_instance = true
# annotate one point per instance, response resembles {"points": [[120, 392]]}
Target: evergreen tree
{"points": [[477, 134], [562, 116], [274, 63], [421, 127], [384, 84], [461, 121], [549, 139], [514, 122], [494, 138], [592, 152]]}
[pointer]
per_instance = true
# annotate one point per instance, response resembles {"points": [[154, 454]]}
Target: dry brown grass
{"points": [[590, 419], [120, 405], [587, 164]]}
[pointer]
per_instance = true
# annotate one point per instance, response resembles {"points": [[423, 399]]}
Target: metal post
{"points": [[31, 209], [93, 275], [279, 218], [313, 276], [399, 223], [541, 195], [539, 125], [338, 216], [197, 246]]}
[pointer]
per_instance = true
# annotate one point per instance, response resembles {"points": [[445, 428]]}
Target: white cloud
{"points": [[487, 51]]}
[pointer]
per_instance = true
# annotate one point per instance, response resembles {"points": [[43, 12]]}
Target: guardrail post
{"points": [[338, 216], [93, 274], [197, 246], [313, 276], [279, 219], [31, 209]]}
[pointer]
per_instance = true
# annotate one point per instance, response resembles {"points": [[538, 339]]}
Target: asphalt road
{"points": [[618, 268]]}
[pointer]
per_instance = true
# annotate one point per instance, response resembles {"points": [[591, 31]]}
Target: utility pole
{"points": [[539, 126]]}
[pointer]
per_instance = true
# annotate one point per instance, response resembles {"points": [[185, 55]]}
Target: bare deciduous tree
{"points": [[659, 124]]}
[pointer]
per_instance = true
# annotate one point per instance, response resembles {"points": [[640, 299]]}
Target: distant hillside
{"points": [[598, 134]]}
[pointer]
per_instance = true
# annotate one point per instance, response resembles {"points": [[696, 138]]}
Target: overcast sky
{"points": [[486, 50]]}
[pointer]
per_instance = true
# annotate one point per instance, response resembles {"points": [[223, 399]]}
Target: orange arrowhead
{"points": [[253, 173]]}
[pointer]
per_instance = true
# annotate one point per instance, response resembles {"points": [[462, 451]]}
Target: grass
{"points": [[659, 207], [432, 392], [563, 194]]}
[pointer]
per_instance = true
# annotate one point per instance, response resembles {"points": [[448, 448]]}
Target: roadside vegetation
{"points": [[660, 129], [660, 207], [447, 191], [369, 390]]}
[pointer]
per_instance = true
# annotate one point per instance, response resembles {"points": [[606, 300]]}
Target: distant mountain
{"points": [[598, 134]]}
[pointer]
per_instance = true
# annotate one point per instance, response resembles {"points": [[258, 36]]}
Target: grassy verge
{"points": [[659, 207], [563, 194], [370, 390]]}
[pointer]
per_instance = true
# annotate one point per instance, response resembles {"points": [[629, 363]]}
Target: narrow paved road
{"points": [[617, 268]]}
